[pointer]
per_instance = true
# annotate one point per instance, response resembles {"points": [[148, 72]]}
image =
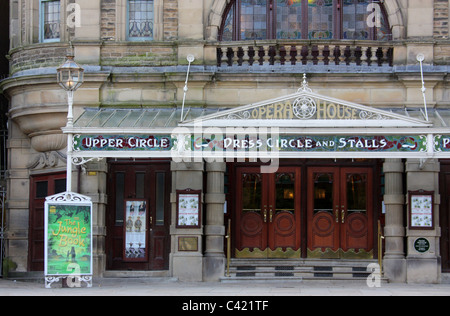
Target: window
{"points": [[140, 20], [50, 21], [305, 19]]}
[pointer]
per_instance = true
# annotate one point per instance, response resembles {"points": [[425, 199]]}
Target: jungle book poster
{"points": [[68, 239]]}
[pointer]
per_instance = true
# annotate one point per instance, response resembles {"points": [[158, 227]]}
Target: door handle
{"points": [[337, 214], [271, 215], [343, 216], [265, 216]]}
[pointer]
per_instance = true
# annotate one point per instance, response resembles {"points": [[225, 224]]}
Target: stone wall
{"points": [[441, 19]]}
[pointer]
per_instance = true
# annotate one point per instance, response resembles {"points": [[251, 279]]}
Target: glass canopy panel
{"points": [[85, 118], [146, 118], [116, 118]]}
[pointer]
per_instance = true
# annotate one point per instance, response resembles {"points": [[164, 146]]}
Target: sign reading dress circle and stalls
{"points": [[68, 239]]}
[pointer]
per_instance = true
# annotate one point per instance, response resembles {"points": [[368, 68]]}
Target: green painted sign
{"points": [[256, 142], [421, 245], [442, 143], [68, 239]]}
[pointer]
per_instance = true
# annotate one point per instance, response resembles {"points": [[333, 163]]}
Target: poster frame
{"points": [[420, 193], [147, 228], [195, 194], [67, 199]]}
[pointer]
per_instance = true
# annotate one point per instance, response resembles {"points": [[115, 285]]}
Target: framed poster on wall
{"points": [[189, 209], [135, 230], [421, 209]]}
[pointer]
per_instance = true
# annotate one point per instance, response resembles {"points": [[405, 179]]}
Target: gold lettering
{"points": [[278, 111], [262, 112], [288, 113], [340, 112], [347, 113], [269, 113], [322, 111], [331, 111]]}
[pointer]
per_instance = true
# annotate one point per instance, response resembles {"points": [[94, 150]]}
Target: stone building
{"points": [[305, 126]]}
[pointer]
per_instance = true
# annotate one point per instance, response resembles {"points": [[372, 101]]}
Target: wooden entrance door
{"points": [[445, 214], [268, 213], [340, 214], [144, 183], [41, 187]]}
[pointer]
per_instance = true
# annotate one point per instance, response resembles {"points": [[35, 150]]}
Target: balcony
{"points": [[315, 53]]}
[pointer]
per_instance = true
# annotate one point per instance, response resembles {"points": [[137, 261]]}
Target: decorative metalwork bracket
{"points": [[76, 283]]}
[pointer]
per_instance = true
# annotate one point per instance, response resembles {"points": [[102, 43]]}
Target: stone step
{"points": [[299, 270]]}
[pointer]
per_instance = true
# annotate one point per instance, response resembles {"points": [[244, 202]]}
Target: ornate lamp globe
{"points": [[70, 75]]}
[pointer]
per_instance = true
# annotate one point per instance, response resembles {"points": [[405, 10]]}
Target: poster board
{"points": [[421, 210], [68, 238], [135, 230], [189, 209]]}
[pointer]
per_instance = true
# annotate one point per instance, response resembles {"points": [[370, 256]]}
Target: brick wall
{"points": [[441, 18], [170, 19], [108, 17], [39, 56]]}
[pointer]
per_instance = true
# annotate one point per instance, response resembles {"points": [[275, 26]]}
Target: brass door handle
{"points": [[265, 216], [343, 216], [337, 215], [271, 215]]}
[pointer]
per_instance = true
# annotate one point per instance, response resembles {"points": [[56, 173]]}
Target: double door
{"points": [[329, 212], [340, 212], [268, 213]]}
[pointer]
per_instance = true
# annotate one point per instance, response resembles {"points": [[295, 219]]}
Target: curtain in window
{"points": [[51, 17]]}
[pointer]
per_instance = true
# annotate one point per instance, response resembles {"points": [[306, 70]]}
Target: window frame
{"points": [[337, 23], [42, 38], [127, 25]]}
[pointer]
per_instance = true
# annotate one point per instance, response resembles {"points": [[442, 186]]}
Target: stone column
{"points": [[214, 260], [424, 267], [394, 263], [186, 255], [93, 183]]}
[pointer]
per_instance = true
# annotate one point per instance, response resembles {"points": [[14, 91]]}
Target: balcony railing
{"points": [[374, 54]]}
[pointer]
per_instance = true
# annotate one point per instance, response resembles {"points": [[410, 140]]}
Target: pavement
{"points": [[174, 288]]}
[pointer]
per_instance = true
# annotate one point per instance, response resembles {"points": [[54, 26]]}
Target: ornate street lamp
{"points": [[70, 77]]}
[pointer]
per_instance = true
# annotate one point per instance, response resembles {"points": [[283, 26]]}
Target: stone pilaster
{"points": [[214, 260], [394, 263], [424, 267], [186, 264]]}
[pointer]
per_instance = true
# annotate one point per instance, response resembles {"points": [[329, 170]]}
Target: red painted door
{"points": [[41, 187], [147, 181], [268, 213], [340, 212]]}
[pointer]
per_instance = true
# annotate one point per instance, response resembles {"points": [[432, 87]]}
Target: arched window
{"points": [[305, 19]]}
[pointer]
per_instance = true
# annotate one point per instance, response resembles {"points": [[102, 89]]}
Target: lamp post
{"points": [[70, 78]]}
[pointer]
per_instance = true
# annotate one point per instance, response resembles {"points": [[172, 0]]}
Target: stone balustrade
{"points": [[375, 54]]}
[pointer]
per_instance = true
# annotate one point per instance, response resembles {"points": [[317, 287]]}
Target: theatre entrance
{"points": [[339, 212], [304, 212], [138, 215], [268, 213]]}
